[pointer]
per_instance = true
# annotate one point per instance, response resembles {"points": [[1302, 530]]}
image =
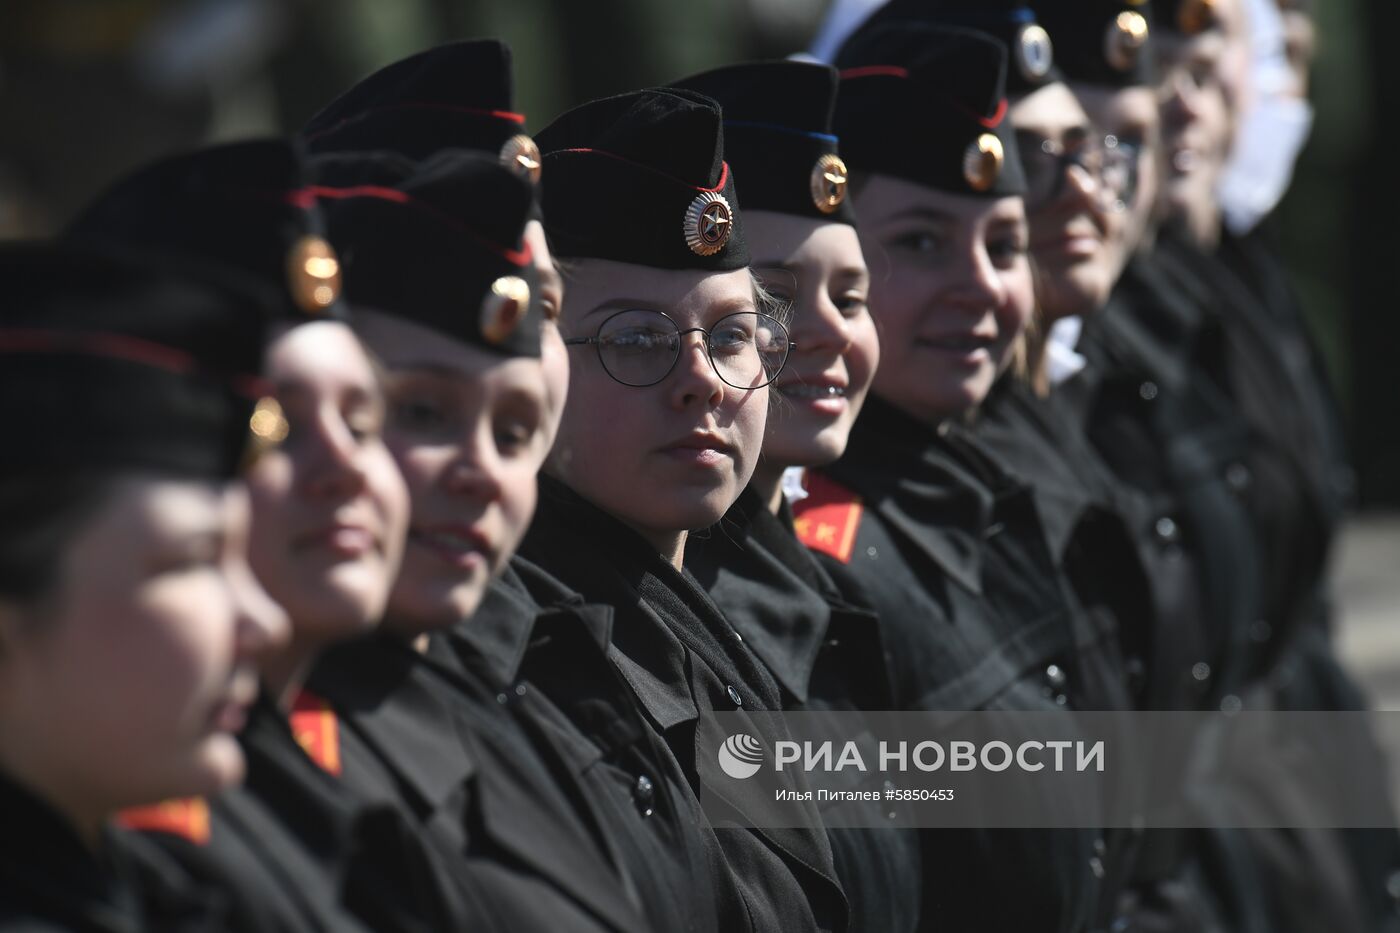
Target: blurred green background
{"points": [[91, 88]]}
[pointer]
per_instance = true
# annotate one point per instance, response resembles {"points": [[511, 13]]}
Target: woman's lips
{"points": [[966, 349], [231, 713], [701, 450], [461, 547], [348, 540]]}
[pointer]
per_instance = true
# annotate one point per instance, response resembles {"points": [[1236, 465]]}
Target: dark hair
{"points": [[39, 518]]}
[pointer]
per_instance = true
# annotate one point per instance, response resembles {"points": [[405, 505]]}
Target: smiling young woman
{"points": [[130, 626]]}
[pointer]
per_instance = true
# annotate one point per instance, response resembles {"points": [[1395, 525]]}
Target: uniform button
{"points": [[737, 636], [1147, 391], [502, 698], [1261, 631], [520, 690], [1166, 530], [1056, 677], [1392, 885], [1096, 866], [1231, 704], [1100, 847], [734, 696], [871, 553], [1201, 671], [1238, 477], [644, 793]]}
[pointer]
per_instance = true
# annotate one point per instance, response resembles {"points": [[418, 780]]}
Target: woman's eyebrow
{"points": [[919, 212]]}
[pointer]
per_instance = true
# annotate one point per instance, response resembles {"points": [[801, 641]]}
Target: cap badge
{"points": [[829, 177], [982, 162], [1195, 16], [313, 274], [708, 223], [503, 309], [1035, 54], [267, 428], [522, 156], [1126, 36]]}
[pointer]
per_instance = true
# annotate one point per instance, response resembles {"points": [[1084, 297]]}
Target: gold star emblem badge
{"points": [[1035, 54], [313, 274], [708, 223], [982, 162], [829, 178], [522, 156], [504, 309], [1126, 36]]}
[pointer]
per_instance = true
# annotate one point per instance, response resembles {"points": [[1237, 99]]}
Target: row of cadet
{"points": [[388, 513]]}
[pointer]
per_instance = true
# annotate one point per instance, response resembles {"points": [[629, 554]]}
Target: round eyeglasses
{"points": [[640, 347], [1047, 163]]}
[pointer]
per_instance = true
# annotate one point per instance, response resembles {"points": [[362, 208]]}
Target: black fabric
{"points": [[1093, 42], [50, 880], [1012, 23], [239, 207], [480, 781], [427, 241], [916, 99], [777, 125], [459, 95], [108, 361], [828, 656], [683, 660], [970, 621], [621, 173]]}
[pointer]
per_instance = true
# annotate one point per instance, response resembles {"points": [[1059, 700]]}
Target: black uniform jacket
{"points": [[683, 660], [293, 851], [903, 514], [50, 880], [478, 780], [827, 655]]}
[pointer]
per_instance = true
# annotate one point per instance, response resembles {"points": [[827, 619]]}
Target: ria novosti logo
{"points": [[741, 756]]}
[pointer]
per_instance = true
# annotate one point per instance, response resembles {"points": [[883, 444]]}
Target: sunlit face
{"points": [[1196, 120], [818, 268], [1069, 229], [1130, 116], [669, 457], [553, 356], [329, 507], [127, 687], [950, 291], [1300, 43], [469, 430]]}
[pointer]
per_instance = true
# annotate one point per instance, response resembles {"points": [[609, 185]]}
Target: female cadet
{"points": [[946, 545], [129, 622], [459, 96], [825, 651], [292, 848], [667, 403]]}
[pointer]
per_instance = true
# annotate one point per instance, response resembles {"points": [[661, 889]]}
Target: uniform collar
{"points": [[910, 476]]}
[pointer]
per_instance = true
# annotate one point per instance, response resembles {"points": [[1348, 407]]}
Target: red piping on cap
{"points": [[723, 175], [112, 346], [995, 119], [307, 197], [875, 71], [517, 118]]}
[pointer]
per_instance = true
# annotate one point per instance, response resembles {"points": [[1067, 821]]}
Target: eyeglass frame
{"points": [[596, 342], [1067, 156]]}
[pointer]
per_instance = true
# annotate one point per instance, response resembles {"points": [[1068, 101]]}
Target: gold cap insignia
{"points": [[1195, 16], [1035, 53], [504, 308], [829, 177], [313, 274], [708, 223], [522, 156], [982, 162], [267, 428], [1126, 36]]}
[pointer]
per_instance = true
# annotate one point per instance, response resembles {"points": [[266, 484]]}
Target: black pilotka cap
{"points": [[778, 138], [456, 96], [109, 361], [641, 178], [1030, 49], [239, 208], [1101, 42], [1188, 17], [438, 242], [927, 104]]}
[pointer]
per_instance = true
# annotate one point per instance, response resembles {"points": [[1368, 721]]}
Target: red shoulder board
{"points": [[316, 730], [828, 519], [186, 817]]}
